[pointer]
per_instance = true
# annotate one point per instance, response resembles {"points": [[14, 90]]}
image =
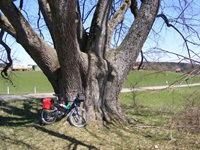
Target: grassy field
{"points": [[165, 120], [25, 82], [153, 78], [162, 120]]}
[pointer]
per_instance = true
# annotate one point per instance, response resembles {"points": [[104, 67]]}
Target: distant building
{"points": [[135, 67], [35, 68], [179, 70], [19, 67]]}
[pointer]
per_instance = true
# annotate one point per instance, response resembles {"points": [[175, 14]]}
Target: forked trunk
{"points": [[102, 93]]}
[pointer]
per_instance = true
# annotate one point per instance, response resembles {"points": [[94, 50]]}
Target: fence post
{"points": [[35, 90], [7, 90]]}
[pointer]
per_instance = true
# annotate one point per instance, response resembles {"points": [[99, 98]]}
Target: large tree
{"points": [[81, 61]]}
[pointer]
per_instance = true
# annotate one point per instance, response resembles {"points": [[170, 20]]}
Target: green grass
{"points": [[155, 115], [163, 119], [20, 113], [157, 105], [167, 97], [25, 82], [154, 78]]}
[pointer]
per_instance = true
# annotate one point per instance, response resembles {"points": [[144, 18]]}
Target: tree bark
{"points": [[44, 55], [107, 79]]}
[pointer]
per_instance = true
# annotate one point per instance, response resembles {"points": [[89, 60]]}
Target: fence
{"points": [[31, 90]]}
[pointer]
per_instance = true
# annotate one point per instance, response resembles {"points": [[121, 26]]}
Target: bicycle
{"points": [[77, 117]]}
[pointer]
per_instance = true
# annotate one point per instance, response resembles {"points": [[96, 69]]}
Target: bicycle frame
{"points": [[74, 104], [78, 116]]}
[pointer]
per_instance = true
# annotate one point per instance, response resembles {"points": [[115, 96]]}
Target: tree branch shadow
{"points": [[15, 116], [74, 142], [26, 114], [12, 141]]}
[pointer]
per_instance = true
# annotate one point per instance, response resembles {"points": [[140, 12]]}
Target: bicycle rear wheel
{"points": [[78, 117], [48, 116]]}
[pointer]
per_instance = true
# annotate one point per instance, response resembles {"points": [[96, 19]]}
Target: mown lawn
{"points": [[35, 81], [25, 82], [155, 78]]}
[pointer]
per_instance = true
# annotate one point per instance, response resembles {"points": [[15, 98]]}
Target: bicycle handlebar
{"points": [[56, 95]]}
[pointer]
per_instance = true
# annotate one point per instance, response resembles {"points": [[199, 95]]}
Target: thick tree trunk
{"points": [[109, 72]]}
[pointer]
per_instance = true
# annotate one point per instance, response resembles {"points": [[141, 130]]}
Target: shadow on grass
{"points": [[74, 142], [19, 113], [11, 141], [25, 113]]}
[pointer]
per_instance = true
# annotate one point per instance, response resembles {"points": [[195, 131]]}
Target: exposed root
{"points": [[115, 119]]}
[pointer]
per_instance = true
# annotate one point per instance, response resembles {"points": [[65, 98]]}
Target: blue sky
{"points": [[168, 39]]}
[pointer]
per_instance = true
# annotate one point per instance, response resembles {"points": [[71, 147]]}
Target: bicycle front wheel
{"points": [[78, 117], [48, 116]]}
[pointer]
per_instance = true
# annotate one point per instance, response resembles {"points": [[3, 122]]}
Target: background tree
{"points": [[93, 62]]}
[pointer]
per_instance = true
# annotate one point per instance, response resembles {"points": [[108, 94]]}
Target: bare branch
{"points": [[6, 26], [134, 7], [99, 27], [4, 72], [46, 12], [38, 24], [84, 18], [170, 25], [21, 4], [119, 15], [142, 60], [131, 46], [181, 57]]}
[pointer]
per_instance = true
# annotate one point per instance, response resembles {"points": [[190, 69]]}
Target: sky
{"points": [[168, 39], [19, 55]]}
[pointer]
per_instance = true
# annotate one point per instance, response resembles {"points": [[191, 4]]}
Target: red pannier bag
{"points": [[47, 103]]}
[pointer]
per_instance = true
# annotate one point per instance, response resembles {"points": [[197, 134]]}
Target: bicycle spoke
{"points": [[78, 117]]}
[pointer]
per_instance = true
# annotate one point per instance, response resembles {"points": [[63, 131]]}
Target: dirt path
{"points": [[158, 87], [25, 96], [42, 95]]}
